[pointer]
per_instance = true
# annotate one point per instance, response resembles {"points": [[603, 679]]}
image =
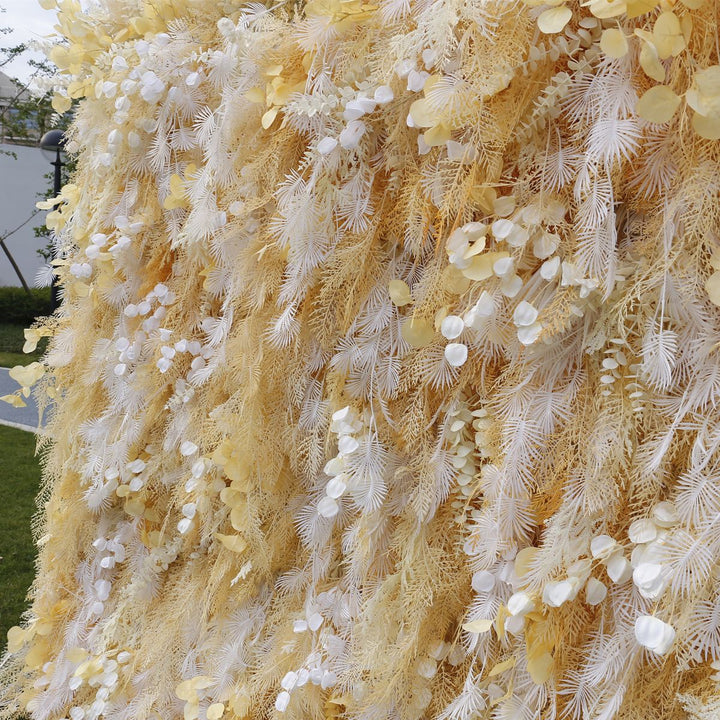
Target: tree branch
{"points": [[7, 252]]}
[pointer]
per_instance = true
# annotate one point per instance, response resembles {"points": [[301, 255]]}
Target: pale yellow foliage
{"points": [[385, 379]]}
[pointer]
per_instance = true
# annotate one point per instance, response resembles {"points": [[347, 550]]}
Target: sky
{"points": [[28, 22]]}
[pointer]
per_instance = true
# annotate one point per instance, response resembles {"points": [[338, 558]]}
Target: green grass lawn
{"points": [[11, 343], [19, 484]]}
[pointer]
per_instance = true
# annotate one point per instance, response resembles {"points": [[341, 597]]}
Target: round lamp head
{"points": [[52, 144]]}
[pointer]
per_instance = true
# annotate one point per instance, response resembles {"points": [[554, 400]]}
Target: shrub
{"points": [[19, 308]]}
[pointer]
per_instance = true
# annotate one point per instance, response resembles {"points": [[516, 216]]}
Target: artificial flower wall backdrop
{"points": [[386, 379]]}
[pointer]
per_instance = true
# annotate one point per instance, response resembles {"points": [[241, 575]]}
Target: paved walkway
{"points": [[23, 418]]}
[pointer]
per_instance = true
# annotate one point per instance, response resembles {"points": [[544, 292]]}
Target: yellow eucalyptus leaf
{"points": [[635, 8], [433, 80], [537, 639], [269, 117], [703, 96], [70, 192], [61, 104], [650, 62], [176, 198], [206, 272], [191, 711], [454, 281], [399, 293], [48, 4], [241, 483], [215, 711], [154, 539], [77, 89], [152, 515], [686, 26], [423, 114], [485, 196], [524, 560], [500, 618], [48, 204], [712, 287], [43, 627], [14, 400], [417, 332], [222, 453], [60, 56], [281, 93], [172, 203], [135, 507], [707, 127], [141, 25], [37, 656], [540, 668], [476, 248], [693, 4], [658, 104], [481, 266], [478, 626], [255, 95], [84, 670], [185, 691], [150, 10], [554, 19], [504, 206], [232, 542], [16, 638], [501, 667], [238, 518], [607, 8], [237, 469], [88, 668], [76, 55], [437, 135], [200, 682], [80, 289], [27, 375], [76, 654], [177, 185], [667, 35], [614, 43]]}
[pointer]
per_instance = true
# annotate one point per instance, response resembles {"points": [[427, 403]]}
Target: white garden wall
{"points": [[21, 179]]}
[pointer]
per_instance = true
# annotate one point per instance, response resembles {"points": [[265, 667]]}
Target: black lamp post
{"points": [[52, 145]]}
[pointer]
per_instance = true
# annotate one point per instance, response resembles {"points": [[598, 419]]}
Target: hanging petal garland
{"points": [[386, 376]]}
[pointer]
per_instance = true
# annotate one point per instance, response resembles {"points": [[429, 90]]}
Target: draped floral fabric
{"points": [[386, 380]]}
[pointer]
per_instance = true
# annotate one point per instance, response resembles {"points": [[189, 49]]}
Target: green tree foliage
{"points": [[25, 117]]}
